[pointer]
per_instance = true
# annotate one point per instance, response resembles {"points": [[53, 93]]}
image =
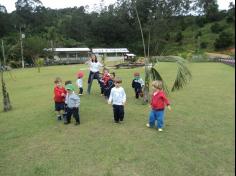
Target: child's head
{"points": [[136, 75], [70, 88], [105, 71], [157, 85], [80, 74], [118, 81], [68, 82], [58, 81]]}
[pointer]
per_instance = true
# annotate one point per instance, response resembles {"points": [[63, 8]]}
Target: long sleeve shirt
{"points": [[59, 94], [72, 100], [79, 82], [117, 96], [137, 83], [159, 101], [94, 66]]}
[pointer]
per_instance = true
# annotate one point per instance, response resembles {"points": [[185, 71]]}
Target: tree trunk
{"points": [[6, 100]]}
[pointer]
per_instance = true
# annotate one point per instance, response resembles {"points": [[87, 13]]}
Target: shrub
{"points": [[216, 28], [203, 45], [179, 37], [224, 40], [200, 21]]}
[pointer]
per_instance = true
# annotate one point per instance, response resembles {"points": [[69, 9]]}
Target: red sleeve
{"points": [[57, 92]]}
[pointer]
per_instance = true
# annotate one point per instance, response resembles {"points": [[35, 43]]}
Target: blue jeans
{"points": [[156, 115]]}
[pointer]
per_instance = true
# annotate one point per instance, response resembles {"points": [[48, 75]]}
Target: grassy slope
{"points": [[198, 137], [189, 43]]}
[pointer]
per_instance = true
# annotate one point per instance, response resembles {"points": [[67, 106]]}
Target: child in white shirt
{"points": [[118, 100], [79, 82]]}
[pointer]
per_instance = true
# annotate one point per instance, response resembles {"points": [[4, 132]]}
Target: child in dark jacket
{"points": [[158, 103], [138, 85], [104, 80], [110, 84]]}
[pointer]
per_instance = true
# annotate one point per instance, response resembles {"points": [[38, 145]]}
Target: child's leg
{"points": [[76, 115], [80, 90], [121, 113], [152, 118], [160, 119], [116, 114], [90, 81], [68, 115], [136, 93]]}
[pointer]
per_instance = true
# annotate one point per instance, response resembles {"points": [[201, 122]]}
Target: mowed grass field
{"points": [[198, 138]]}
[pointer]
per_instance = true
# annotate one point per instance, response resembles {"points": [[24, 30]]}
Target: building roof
{"points": [[69, 49], [110, 50], [130, 54]]}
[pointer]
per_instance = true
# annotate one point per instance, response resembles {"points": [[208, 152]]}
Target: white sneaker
{"points": [[160, 129], [148, 125]]}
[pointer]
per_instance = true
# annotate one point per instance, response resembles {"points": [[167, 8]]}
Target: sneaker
{"points": [[80, 94], [148, 125], [160, 129]]}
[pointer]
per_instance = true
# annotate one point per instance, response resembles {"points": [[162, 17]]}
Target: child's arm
{"points": [[166, 101], [124, 97], [110, 98], [133, 83]]}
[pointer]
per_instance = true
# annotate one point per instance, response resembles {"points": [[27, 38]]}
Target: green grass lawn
{"points": [[198, 138]]}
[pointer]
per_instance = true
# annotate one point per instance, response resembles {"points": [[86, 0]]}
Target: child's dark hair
{"points": [[68, 82], [96, 60], [57, 80], [113, 73]]}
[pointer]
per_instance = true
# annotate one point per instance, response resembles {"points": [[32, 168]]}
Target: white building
{"points": [[110, 54], [70, 55]]}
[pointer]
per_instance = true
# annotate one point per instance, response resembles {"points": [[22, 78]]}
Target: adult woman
{"points": [[94, 67]]}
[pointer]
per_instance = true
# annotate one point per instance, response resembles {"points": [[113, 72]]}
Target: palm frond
{"points": [[155, 75], [183, 75]]}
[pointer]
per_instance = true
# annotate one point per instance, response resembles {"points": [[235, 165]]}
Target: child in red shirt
{"points": [[59, 98], [158, 103]]}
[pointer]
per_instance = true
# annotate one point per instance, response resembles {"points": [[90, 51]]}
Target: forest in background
{"points": [[170, 27]]}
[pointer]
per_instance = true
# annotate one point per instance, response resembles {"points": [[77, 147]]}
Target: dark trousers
{"points": [[74, 112], [137, 92], [91, 77], [80, 90], [119, 113]]}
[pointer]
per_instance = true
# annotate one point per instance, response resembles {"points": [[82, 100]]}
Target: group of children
{"points": [[67, 101]]}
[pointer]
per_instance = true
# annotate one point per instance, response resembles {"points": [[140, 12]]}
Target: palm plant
{"points": [[183, 74]]}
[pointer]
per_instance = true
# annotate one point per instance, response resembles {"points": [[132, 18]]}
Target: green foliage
{"points": [[203, 45], [179, 37], [217, 28], [183, 75], [225, 40]]}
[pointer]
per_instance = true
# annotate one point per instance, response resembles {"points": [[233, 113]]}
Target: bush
{"points": [[199, 34], [203, 45], [200, 21], [225, 40], [216, 28], [15, 64], [179, 37]]}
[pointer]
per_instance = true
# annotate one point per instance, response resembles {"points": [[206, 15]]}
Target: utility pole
{"points": [[21, 46]]}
